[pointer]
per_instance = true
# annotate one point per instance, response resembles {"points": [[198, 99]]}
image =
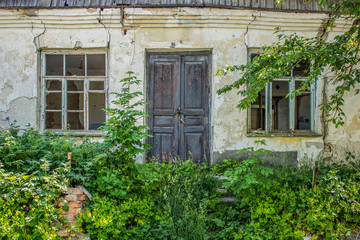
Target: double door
{"points": [[178, 106]]}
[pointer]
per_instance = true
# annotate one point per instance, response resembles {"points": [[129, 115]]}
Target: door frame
{"points": [[182, 52]]}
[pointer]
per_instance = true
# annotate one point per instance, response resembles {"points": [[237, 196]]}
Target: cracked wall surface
{"points": [[228, 34]]}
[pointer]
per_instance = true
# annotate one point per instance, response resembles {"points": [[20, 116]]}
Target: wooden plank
{"points": [[255, 3], [268, 4], [194, 99], [247, 3], [235, 3], [293, 5], [163, 97], [208, 2]]}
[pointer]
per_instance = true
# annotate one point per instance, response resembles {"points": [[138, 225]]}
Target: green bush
{"points": [[23, 154], [27, 209], [165, 201], [281, 204]]}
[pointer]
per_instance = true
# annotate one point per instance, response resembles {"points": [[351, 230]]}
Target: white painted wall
{"points": [[227, 33]]}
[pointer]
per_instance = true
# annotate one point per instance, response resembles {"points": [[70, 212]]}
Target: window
{"points": [[274, 112], [74, 91]]}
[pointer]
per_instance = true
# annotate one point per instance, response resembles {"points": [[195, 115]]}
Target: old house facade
{"points": [[61, 59]]}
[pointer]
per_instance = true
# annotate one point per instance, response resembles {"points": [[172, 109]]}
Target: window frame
{"points": [[64, 78], [268, 109]]}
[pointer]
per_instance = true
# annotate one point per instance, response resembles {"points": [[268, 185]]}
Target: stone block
{"points": [[71, 211], [71, 198], [74, 191], [82, 197], [77, 204]]}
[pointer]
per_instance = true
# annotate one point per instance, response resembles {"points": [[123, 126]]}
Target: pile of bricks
{"points": [[73, 198]]}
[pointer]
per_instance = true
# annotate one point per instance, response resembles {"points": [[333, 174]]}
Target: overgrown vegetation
{"points": [[338, 57], [178, 200]]}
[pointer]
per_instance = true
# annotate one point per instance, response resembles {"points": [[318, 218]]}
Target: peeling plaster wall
{"points": [[18, 79], [228, 34], [344, 139]]}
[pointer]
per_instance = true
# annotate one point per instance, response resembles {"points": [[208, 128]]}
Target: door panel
{"points": [[163, 85], [194, 101], [162, 99], [178, 106]]}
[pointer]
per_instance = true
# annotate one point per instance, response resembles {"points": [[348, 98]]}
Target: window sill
{"points": [[90, 133], [283, 134]]}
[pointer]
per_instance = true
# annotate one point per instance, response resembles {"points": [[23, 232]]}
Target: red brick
{"points": [[74, 191], [71, 198], [76, 204], [70, 217], [82, 197], [71, 211]]}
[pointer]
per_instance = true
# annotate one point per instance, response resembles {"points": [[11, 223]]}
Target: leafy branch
{"points": [[340, 56]]}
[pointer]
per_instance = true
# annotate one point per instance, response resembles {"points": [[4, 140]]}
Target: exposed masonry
{"points": [[73, 199]]}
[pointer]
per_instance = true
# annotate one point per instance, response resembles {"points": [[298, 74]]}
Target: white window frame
{"points": [[63, 91], [268, 109]]}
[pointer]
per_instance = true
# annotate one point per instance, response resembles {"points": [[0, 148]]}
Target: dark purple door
{"points": [[178, 106]]}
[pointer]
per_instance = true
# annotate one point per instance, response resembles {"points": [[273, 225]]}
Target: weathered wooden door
{"points": [[178, 106]]}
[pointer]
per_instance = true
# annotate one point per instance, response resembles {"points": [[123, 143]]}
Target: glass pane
{"points": [[302, 109], [75, 101], [75, 120], [75, 65], [53, 85], [53, 101], [96, 85], [53, 120], [258, 112], [302, 70], [75, 85], [54, 64], [96, 114], [96, 65], [280, 105]]}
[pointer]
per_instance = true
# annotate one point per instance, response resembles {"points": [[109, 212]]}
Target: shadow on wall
{"points": [[288, 158]]}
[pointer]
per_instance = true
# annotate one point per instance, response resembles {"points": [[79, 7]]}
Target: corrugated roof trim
{"points": [[288, 5]]}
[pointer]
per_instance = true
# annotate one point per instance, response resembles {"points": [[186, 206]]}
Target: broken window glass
{"points": [[274, 111], [96, 112], [80, 107], [53, 101], [53, 120], [75, 65], [280, 105], [258, 112], [75, 120], [75, 85], [53, 85], [302, 109]]}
